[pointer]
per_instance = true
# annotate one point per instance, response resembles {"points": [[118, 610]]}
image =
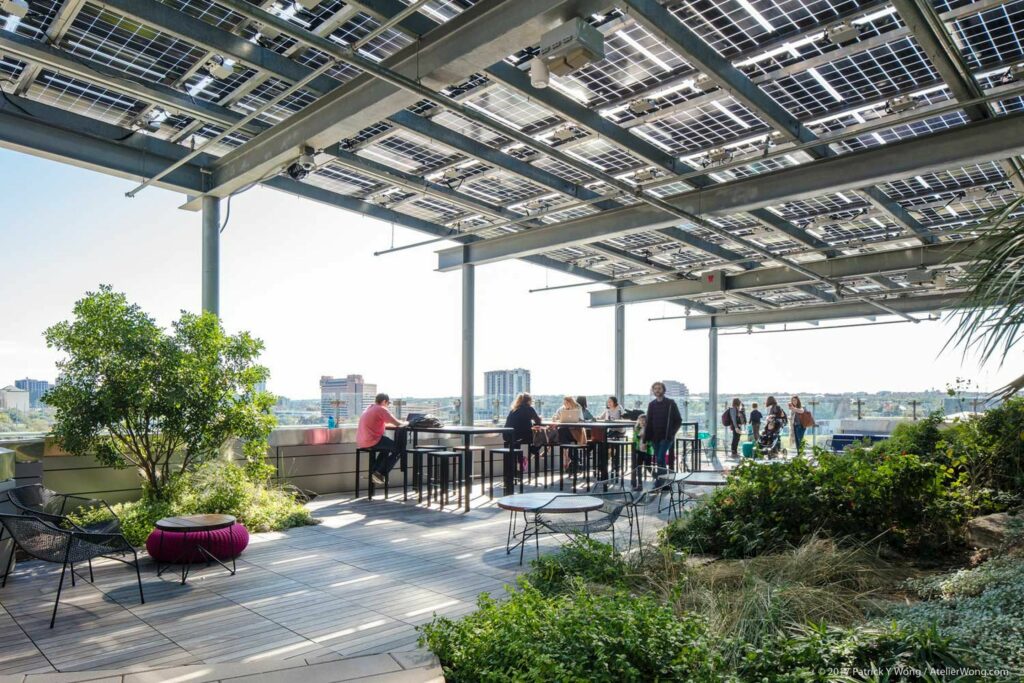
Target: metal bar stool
{"points": [[443, 469], [372, 454], [579, 454], [618, 451], [418, 454]]}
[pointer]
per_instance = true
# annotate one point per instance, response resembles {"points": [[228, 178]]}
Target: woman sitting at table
{"points": [[569, 411], [521, 420], [612, 411]]}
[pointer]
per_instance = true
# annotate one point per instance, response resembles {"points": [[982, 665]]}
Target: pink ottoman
{"points": [[175, 546]]}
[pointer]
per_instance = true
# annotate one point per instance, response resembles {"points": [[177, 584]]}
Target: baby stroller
{"points": [[770, 442]]}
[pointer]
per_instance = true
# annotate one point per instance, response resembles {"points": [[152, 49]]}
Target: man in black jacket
{"points": [[663, 421]]}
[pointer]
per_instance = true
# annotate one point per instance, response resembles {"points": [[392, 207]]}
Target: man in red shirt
{"points": [[370, 434]]}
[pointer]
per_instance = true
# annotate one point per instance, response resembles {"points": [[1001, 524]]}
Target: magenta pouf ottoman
{"points": [[173, 546]]}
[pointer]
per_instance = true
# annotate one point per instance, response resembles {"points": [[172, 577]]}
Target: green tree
{"points": [[133, 394]]}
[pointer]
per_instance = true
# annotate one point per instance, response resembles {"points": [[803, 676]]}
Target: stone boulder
{"points": [[988, 531]]}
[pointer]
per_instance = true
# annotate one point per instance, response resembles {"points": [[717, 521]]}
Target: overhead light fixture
{"points": [[842, 32], [642, 106], [1013, 74], [15, 8], [302, 166], [898, 105], [704, 83], [152, 121], [540, 75], [564, 134], [308, 5], [220, 68], [450, 174], [644, 175], [570, 47], [269, 32], [718, 155]]}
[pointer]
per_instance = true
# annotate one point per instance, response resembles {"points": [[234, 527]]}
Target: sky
{"points": [[303, 278]]}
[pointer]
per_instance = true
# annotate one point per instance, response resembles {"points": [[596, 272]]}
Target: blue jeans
{"points": [[798, 435], [387, 460], [661, 450]]}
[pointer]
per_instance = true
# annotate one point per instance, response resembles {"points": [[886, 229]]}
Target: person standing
{"points": [[663, 421], [796, 418], [736, 425], [370, 434], [755, 422]]}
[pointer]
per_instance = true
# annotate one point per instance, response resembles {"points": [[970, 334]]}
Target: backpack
{"points": [[424, 421], [725, 419], [632, 414]]}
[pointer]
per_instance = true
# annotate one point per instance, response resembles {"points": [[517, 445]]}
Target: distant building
{"points": [[261, 386], [503, 385], [345, 397], [675, 389], [13, 398], [35, 388]]}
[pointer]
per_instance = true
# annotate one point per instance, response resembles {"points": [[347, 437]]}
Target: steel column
{"points": [[211, 255], [712, 416], [620, 352], [468, 303]]}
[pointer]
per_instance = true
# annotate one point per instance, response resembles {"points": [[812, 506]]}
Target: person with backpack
{"points": [[663, 421], [732, 419], [755, 422], [801, 419]]}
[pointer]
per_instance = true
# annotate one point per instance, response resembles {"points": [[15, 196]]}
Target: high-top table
{"points": [[467, 432], [535, 503], [599, 435]]}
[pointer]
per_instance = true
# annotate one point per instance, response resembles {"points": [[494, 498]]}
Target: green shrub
{"points": [[574, 636], [915, 438], [583, 559], [218, 487], [981, 609], [859, 495]]}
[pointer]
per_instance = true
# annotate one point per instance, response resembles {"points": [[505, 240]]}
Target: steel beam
{"points": [[59, 25], [85, 142], [483, 34], [661, 22], [907, 305], [712, 412], [965, 145], [211, 255], [861, 265], [468, 330], [620, 353]]}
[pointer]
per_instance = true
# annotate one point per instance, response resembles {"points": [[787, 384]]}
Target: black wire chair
{"points": [[614, 501], [45, 541], [37, 501]]}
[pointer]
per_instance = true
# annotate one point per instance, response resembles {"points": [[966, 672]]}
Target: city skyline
{"points": [[293, 289]]}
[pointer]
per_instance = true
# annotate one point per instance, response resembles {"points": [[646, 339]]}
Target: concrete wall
{"points": [[314, 459]]}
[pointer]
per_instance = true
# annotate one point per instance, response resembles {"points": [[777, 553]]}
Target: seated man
{"points": [[370, 434]]}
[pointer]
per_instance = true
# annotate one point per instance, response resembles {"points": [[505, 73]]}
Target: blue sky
{"points": [[303, 277]]}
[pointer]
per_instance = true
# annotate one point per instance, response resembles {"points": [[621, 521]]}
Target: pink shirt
{"points": [[371, 425]]}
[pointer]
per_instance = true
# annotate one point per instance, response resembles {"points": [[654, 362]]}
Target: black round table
{"points": [[196, 528], [534, 503]]}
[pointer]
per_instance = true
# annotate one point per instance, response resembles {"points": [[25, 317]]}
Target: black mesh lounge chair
{"points": [[37, 501], [613, 503], [45, 541]]}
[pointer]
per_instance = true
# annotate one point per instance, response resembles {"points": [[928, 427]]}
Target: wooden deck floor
{"points": [[358, 583]]}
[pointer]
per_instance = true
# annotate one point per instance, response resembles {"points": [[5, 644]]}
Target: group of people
{"points": [[654, 433], [735, 419]]}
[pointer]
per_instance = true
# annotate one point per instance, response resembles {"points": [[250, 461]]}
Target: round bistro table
{"points": [[197, 529], [533, 503]]}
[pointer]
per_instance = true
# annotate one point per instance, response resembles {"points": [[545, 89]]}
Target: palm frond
{"points": [[991, 313]]}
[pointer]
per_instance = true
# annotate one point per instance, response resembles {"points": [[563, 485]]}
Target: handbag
{"points": [[546, 436], [806, 419]]}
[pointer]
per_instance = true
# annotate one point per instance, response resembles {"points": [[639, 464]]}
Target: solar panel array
{"points": [[644, 85]]}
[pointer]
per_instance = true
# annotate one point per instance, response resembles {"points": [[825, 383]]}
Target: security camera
{"points": [[302, 166]]}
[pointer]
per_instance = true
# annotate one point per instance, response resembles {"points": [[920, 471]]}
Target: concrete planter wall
{"points": [[313, 459]]}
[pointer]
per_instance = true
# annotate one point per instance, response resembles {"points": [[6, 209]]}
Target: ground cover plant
{"points": [[816, 612]]}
